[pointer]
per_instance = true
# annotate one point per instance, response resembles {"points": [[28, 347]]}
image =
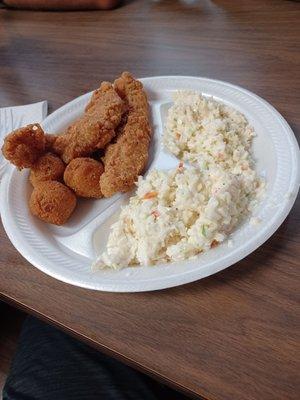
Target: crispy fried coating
{"points": [[52, 202], [24, 146], [83, 175], [95, 96], [126, 158], [132, 92], [50, 141], [60, 144], [121, 127], [49, 167], [95, 128]]}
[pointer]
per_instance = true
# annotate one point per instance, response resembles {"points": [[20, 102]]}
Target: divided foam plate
{"points": [[67, 252]]}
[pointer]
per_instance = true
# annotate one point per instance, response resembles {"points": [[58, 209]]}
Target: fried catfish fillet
{"points": [[95, 129], [126, 158]]}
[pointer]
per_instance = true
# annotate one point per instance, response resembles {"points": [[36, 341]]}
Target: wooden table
{"points": [[231, 336]]}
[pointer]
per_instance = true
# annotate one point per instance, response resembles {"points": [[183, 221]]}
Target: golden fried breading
{"points": [[95, 97], [52, 202], [49, 167], [82, 175], [60, 144], [50, 141], [96, 127], [127, 158], [120, 128], [132, 92], [24, 146]]}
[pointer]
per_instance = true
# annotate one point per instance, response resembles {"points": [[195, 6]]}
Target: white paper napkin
{"points": [[14, 117]]}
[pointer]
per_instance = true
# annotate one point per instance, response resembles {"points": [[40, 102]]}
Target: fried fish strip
{"points": [[132, 92], [126, 158], [95, 129]]}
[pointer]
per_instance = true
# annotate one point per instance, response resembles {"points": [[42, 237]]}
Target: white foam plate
{"points": [[67, 252]]}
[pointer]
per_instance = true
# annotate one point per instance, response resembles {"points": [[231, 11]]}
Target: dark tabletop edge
{"points": [[106, 350]]}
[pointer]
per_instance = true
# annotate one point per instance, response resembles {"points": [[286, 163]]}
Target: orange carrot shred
{"points": [[150, 195]]}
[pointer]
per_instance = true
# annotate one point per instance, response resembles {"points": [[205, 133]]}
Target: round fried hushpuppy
{"points": [[24, 146], [52, 202], [48, 167], [82, 175]]}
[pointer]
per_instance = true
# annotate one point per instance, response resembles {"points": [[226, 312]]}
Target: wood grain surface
{"points": [[235, 335]]}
